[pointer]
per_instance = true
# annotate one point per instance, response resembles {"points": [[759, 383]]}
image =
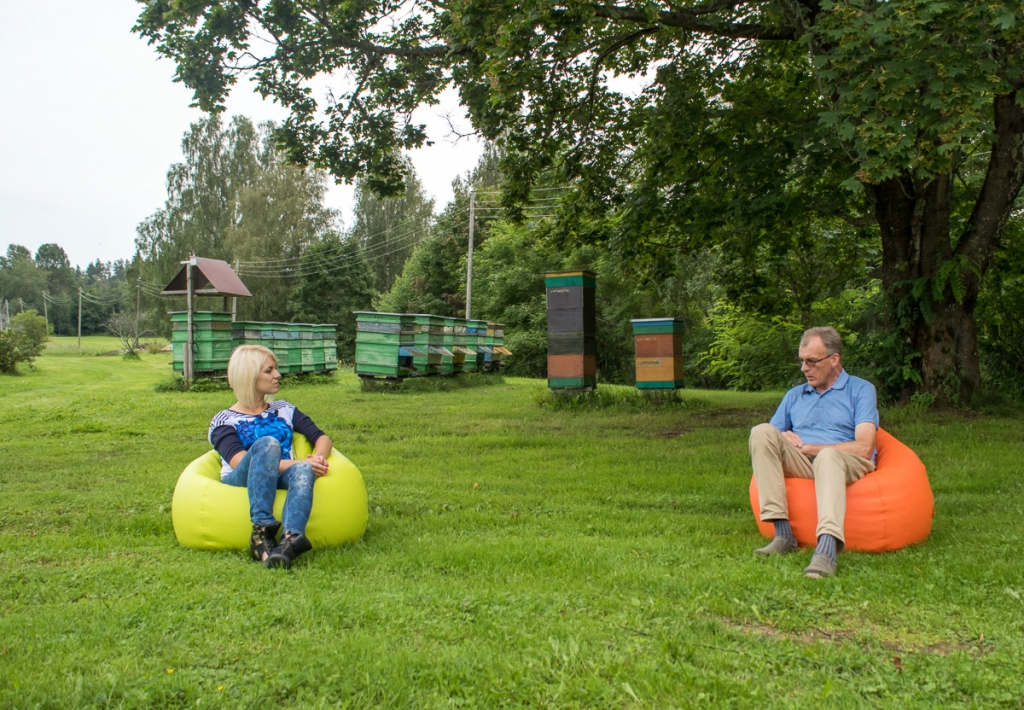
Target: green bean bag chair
{"points": [[210, 515]]}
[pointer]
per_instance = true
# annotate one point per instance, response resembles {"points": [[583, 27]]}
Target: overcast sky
{"points": [[91, 121]]}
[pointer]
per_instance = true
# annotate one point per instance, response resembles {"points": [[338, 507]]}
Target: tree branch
{"points": [[1003, 181], [687, 20]]}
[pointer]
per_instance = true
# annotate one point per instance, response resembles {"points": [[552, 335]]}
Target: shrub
{"points": [[23, 341]]}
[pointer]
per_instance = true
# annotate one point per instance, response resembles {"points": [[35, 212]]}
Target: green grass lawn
{"points": [[67, 345], [517, 555]]}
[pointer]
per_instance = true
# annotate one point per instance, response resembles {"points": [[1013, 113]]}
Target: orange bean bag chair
{"points": [[889, 508]]}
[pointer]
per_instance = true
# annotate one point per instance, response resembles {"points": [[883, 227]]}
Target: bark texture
{"points": [[921, 260]]}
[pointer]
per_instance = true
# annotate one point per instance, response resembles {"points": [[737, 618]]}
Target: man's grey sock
{"points": [[783, 529], [827, 545]]}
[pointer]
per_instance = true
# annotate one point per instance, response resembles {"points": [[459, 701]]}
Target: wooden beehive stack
{"points": [[659, 353], [572, 330]]}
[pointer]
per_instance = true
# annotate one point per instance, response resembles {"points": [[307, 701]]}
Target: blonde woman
{"points": [[254, 440]]}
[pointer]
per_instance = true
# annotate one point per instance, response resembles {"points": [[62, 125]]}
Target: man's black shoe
{"points": [[263, 540], [291, 547]]}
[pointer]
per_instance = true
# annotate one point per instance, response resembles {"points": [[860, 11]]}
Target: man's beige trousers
{"points": [[774, 460]]}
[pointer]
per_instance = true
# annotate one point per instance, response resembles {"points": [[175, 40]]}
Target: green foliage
{"points": [[751, 352], [22, 341], [679, 126], [1001, 318], [387, 229], [334, 280], [234, 198], [433, 279]]}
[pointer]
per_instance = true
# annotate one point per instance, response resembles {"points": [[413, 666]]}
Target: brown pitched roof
{"points": [[210, 277]]}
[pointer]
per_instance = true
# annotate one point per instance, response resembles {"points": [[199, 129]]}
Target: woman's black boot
{"points": [[291, 547], [263, 540]]}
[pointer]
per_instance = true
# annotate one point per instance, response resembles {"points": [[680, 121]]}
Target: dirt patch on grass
{"points": [[866, 635]]}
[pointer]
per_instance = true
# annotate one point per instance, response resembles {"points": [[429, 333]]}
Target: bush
{"points": [[23, 341]]}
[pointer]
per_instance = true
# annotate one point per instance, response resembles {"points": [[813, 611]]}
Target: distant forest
{"points": [[234, 198]]}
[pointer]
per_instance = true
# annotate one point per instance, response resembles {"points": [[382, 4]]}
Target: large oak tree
{"points": [[756, 116]]}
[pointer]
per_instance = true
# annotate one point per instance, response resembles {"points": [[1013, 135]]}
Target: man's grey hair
{"points": [[830, 338]]}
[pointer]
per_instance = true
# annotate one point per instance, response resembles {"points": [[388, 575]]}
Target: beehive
{"points": [[572, 329], [212, 341], [380, 341], [659, 353]]}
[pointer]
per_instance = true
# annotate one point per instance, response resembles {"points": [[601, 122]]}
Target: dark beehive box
{"points": [[572, 325], [572, 297], [562, 320], [573, 342]]}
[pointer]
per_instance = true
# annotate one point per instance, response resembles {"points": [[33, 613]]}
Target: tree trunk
{"points": [[933, 282]]}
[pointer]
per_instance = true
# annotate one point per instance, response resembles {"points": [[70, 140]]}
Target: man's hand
{"points": [[793, 439], [863, 445]]}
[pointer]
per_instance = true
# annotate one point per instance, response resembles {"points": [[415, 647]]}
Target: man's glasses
{"points": [[812, 361]]}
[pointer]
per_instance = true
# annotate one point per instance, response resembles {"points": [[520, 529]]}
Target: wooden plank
{"points": [[559, 281], [557, 383], [654, 329], [659, 369], [660, 385], [572, 297], [659, 345], [576, 344], [561, 320], [570, 366]]}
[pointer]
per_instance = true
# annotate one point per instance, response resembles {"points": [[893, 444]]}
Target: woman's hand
{"points": [[319, 464]]}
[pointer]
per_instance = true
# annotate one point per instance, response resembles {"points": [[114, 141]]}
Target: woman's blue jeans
{"points": [[257, 471]]}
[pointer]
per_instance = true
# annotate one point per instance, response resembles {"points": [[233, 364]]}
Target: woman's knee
{"points": [[303, 475], [266, 444]]}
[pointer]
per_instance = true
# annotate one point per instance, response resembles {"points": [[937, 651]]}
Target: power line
{"points": [[285, 260], [336, 267], [317, 261]]}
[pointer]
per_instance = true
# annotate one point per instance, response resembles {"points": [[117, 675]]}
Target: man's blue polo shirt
{"points": [[829, 417]]}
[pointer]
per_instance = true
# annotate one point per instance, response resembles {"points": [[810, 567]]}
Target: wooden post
{"points": [[79, 318], [187, 365], [138, 307], [469, 256], [234, 300]]}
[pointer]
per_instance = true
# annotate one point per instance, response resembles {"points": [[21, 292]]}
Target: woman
{"points": [[254, 440]]}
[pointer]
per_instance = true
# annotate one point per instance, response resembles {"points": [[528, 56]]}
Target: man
{"points": [[824, 430]]}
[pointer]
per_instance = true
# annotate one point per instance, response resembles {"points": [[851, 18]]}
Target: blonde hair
{"points": [[243, 368]]}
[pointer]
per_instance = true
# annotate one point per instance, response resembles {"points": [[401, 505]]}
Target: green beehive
{"points": [[476, 340], [460, 348], [380, 338], [326, 339], [429, 340], [212, 341], [448, 343]]}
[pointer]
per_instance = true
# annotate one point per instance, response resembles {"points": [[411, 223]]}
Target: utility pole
{"points": [[46, 315], [234, 300], [138, 307], [79, 317], [187, 365], [469, 256]]}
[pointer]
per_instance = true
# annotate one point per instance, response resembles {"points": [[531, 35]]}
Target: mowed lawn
{"points": [[517, 555]]}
